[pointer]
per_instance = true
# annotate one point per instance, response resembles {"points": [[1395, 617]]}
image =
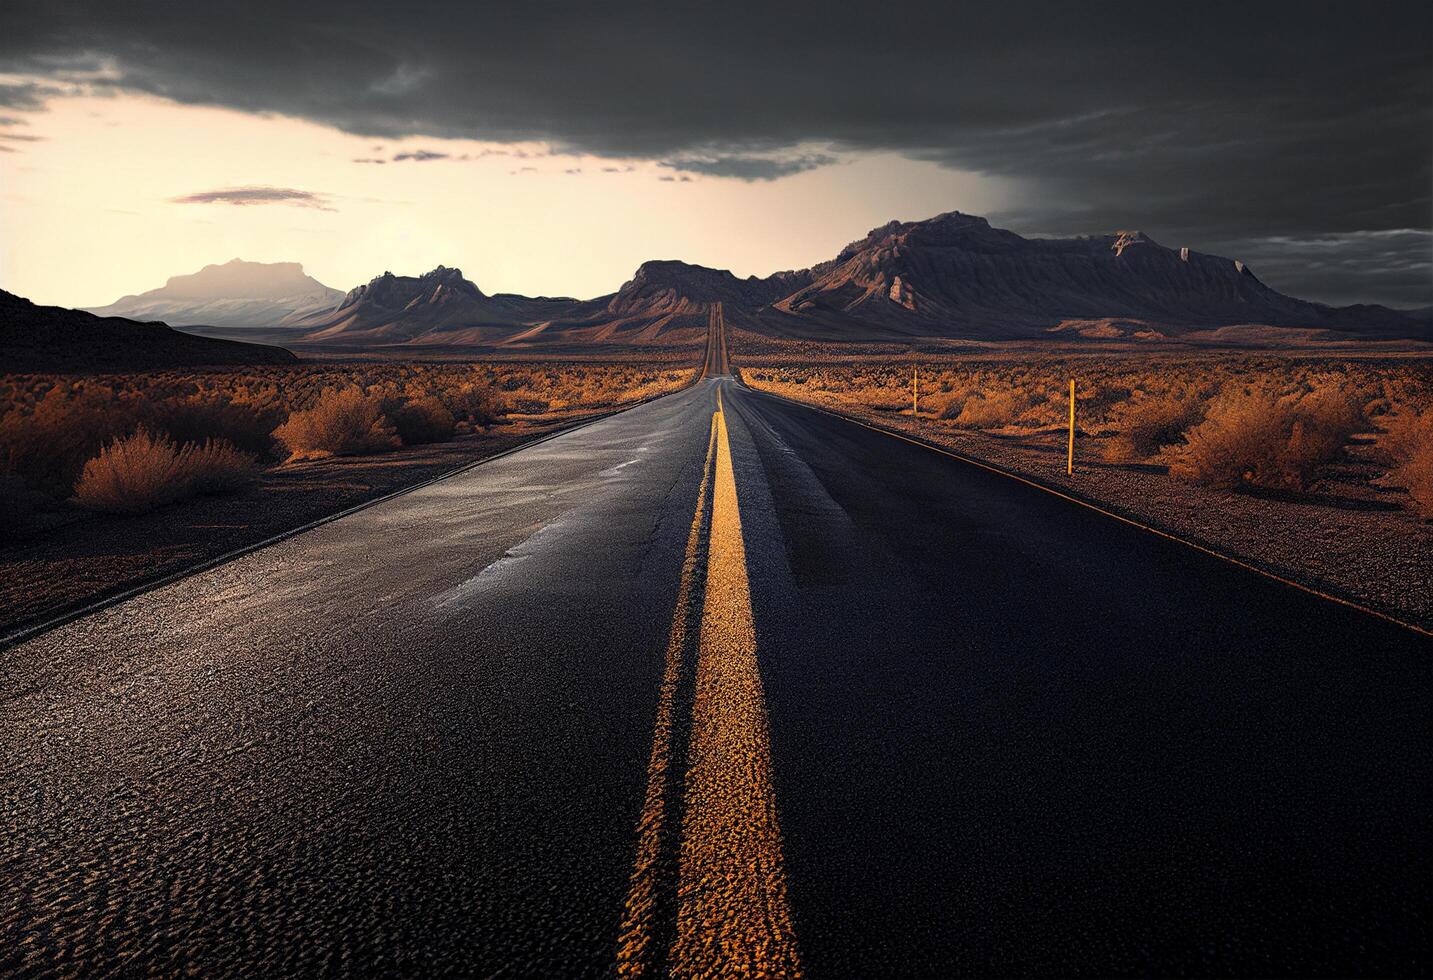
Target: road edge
{"points": [[1099, 508], [14, 638]]}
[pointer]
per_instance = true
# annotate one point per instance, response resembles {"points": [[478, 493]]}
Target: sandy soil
{"points": [[1348, 538], [88, 556]]}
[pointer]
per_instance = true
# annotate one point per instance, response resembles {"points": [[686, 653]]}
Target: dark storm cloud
{"points": [[244, 196], [23, 95], [749, 168], [1219, 125]]}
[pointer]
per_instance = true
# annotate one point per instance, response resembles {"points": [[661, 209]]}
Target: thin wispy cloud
{"points": [[248, 196], [748, 167], [421, 156]]}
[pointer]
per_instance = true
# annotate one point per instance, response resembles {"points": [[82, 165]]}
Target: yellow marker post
{"points": [[1070, 458], [915, 391]]}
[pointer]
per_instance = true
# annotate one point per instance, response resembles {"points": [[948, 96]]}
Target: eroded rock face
{"points": [[442, 285], [955, 274]]}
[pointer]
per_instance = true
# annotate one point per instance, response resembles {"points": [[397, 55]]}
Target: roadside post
{"points": [[915, 391], [1070, 456]]}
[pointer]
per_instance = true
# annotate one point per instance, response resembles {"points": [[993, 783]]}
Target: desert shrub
{"points": [[1327, 418], [198, 418], [422, 420], [1145, 426], [1404, 435], [473, 403], [993, 409], [947, 402], [1407, 442], [217, 466], [137, 473], [1415, 476], [529, 406], [48, 445], [1253, 437], [888, 404], [342, 423]]}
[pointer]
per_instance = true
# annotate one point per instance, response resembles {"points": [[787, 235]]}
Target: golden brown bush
{"points": [[1327, 417], [472, 403], [138, 473], [196, 418], [994, 409], [1145, 426], [343, 422], [50, 425], [48, 445], [1137, 405], [1407, 442], [1253, 437], [423, 420]]}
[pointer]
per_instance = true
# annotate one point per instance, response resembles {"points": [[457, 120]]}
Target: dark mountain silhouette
{"points": [[437, 308], [949, 276], [955, 275], [666, 301], [52, 338], [237, 294]]}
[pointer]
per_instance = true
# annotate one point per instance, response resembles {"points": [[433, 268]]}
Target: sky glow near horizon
{"points": [[89, 208]]}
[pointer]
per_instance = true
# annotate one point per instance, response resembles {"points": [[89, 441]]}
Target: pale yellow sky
{"points": [[86, 211]]}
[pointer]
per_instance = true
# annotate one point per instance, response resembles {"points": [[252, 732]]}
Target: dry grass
{"points": [[1230, 421], [1258, 438], [998, 408], [52, 425], [141, 472], [1407, 442], [1146, 425], [423, 420]]}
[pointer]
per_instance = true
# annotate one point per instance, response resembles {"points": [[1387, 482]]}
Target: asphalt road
{"points": [[691, 690]]}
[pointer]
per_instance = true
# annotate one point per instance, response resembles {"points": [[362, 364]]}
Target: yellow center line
{"points": [[733, 916], [634, 947]]}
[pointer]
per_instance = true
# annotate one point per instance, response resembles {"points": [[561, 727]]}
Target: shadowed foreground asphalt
{"points": [[1007, 734]]}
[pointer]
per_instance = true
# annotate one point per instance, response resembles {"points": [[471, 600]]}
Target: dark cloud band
{"points": [[1213, 124]]}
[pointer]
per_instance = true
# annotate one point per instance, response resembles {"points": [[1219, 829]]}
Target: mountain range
{"points": [[950, 276]]}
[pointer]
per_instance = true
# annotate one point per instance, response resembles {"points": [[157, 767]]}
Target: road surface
{"points": [[718, 684]]}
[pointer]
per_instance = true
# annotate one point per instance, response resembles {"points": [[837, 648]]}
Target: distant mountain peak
{"points": [[237, 293], [440, 285]]}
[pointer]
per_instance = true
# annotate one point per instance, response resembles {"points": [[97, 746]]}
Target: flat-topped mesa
{"points": [[953, 229], [234, 294]]}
